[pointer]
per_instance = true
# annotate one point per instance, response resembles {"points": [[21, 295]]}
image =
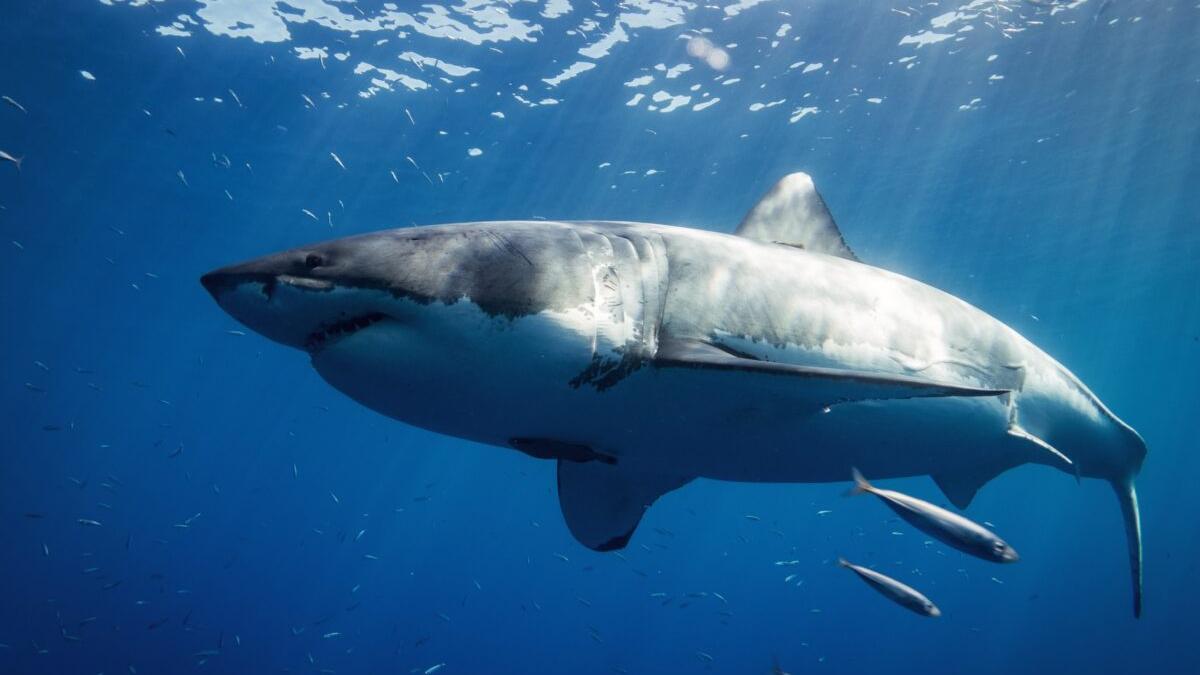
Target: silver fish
{"points": [[951, 528], [901, 594]]}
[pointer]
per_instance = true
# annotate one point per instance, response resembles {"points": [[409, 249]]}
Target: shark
{"points": [[640, 357]]}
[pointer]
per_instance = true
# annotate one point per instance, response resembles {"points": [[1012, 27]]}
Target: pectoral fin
{"points": [[830, 385], [603, 503]]}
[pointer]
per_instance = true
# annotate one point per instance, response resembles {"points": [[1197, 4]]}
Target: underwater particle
{"points": [[87, 76], [16, 161], [182, 178], [337, 159], [474, 152], [11, 101]]}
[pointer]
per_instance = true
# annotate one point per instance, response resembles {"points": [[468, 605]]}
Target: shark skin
{"points": [[642, 356]]}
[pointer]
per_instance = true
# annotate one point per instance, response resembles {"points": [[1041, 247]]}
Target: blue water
{"points": [[1064, 201]]}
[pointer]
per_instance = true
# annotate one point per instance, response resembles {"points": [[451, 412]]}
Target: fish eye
{"points": [[313, 260]]}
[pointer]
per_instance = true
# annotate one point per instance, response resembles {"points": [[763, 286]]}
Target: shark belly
{"points": [[764, 429]]}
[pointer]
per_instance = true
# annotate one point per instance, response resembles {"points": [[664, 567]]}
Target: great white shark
{"points": [[641, 356]]}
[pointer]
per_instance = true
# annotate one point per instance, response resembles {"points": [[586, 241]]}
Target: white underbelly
{"points": [[715, 424], [735, 426]]}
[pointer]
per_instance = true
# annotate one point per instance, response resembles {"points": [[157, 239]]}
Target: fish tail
{"points": [[860, 484], [17, 161], [1127, 496]]}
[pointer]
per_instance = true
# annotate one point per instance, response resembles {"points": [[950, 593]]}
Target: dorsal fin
{"points": [[793, 213]]}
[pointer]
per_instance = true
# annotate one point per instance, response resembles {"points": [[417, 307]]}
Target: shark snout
{"points": [[296, 298]]}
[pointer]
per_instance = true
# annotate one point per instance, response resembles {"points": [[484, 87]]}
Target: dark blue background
{"points": [[1093, 230]]}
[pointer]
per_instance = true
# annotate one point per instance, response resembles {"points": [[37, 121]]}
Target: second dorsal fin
{"points": [[793, 213]]}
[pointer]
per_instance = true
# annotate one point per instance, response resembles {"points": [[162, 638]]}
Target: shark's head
{"points": [[413, 322], [313, 297]]}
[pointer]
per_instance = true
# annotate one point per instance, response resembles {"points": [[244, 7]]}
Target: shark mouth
{"points": [[331, 333]]}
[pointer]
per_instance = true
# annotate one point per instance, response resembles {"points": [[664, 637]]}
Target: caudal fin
{"points": [[860, 484], [1127, 496]]}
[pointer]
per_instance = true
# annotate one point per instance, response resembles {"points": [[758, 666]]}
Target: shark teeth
{"points": [[326, 335]]}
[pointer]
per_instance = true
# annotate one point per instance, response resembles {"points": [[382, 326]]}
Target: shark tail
{"points": [[1127, 496], [860, 484]]}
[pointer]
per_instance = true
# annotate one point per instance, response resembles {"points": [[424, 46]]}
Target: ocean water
{"points": [[1037, 159]]}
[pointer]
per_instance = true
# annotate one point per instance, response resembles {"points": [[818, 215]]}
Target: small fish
{"points": [[182, 178], [89, 522], [951, 528], [905, 596], [433, 669], [337, 159], [308, 101], [11, 101], [397, 180], [16, 161], [310, 214], [410, 117], [235, 97]]}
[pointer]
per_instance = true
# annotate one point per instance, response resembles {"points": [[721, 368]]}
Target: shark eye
{"points": [[313, 260]]}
